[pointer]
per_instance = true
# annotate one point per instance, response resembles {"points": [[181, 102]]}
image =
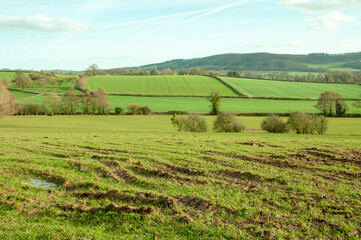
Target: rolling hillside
{"points": [[268, 62]]}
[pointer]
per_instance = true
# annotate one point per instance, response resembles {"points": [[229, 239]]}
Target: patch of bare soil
{"points": [[247, 176], [163, 174], [185, 170], [144, 198], [109, 208], [67, 185], [201, 204]]}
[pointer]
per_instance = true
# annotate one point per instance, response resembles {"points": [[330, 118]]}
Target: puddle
{"points": [[39, 183]]}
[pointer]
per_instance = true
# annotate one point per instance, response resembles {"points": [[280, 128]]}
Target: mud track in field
{"points": [[291, 162]]}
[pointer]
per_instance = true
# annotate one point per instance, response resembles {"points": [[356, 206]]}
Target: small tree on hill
{"points": [[215, 99], [23, 81]]}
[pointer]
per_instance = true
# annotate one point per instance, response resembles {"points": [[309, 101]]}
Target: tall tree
{"points": [[7, 101], [215, 99], [92, 70], [331, 103]]}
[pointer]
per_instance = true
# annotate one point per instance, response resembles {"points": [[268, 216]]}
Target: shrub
{"points": [[274, 124], [119, 110], [193, 123], [146, 110], [225, 122], [320, 123], [304, 123], [135, 109]]}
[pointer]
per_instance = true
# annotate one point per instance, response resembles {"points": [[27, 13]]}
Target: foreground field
{"points": [[267, 88], [161, 85], [132, 177]]}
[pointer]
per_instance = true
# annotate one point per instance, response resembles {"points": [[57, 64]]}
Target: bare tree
{"points": [[7, 101], [52, 102], [330, 103], [102, 101]]}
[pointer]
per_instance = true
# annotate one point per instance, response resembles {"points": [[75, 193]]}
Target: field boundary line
{"points": [[230, 86]]}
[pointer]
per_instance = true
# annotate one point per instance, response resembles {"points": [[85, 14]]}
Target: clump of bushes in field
{"points": [[274, 124], [226, 122], [118, 110], [192, 123], [304, 123], [135, 109], [301, 123]]}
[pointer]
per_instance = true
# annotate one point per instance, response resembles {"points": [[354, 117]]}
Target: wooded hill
{"points": [[315, 62]]}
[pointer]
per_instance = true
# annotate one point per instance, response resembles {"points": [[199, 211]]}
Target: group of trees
{"points": [[68, 104]]}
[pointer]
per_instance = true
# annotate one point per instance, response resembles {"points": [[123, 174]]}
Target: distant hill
{"points": [[315, 62]]}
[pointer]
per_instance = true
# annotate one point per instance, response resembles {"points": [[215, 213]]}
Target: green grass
{"points": [[251, 185], [19, 94], [162, 85], [267, 88], [9, 75], [201, 105]]}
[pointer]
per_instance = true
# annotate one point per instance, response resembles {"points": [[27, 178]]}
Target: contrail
{"points": [[192, 15]]}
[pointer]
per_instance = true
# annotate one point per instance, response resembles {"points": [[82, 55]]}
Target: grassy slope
{"points": [[197, 186], [201, 105], [9, 75], [19, 94], [165, 85], [266, 88]]}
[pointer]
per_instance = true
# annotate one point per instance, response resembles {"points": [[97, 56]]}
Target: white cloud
{"points": [[40, 23], [309, 6], [328, 21]]}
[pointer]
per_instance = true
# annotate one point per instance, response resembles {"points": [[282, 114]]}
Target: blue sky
{"points": [[43, 34]]}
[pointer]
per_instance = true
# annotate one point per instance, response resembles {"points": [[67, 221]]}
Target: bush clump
{"points": [[119, 110], [226, 122], [136, 109], [274, 124], [193, 123], [304, 123]]}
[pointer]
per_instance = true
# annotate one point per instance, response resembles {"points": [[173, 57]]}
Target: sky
{"points": [[68, 34]]}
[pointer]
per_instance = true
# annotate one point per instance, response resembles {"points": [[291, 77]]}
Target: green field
{"points": [[162, 85], [267, 88], [18, 94], [201, 105], [9, 75], [135, 177]]}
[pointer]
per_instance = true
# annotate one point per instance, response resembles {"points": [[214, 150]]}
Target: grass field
{"points": [[267, 88], [201, 105], [163, 85], [9, 75], [19, 94], [130, 177]]}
